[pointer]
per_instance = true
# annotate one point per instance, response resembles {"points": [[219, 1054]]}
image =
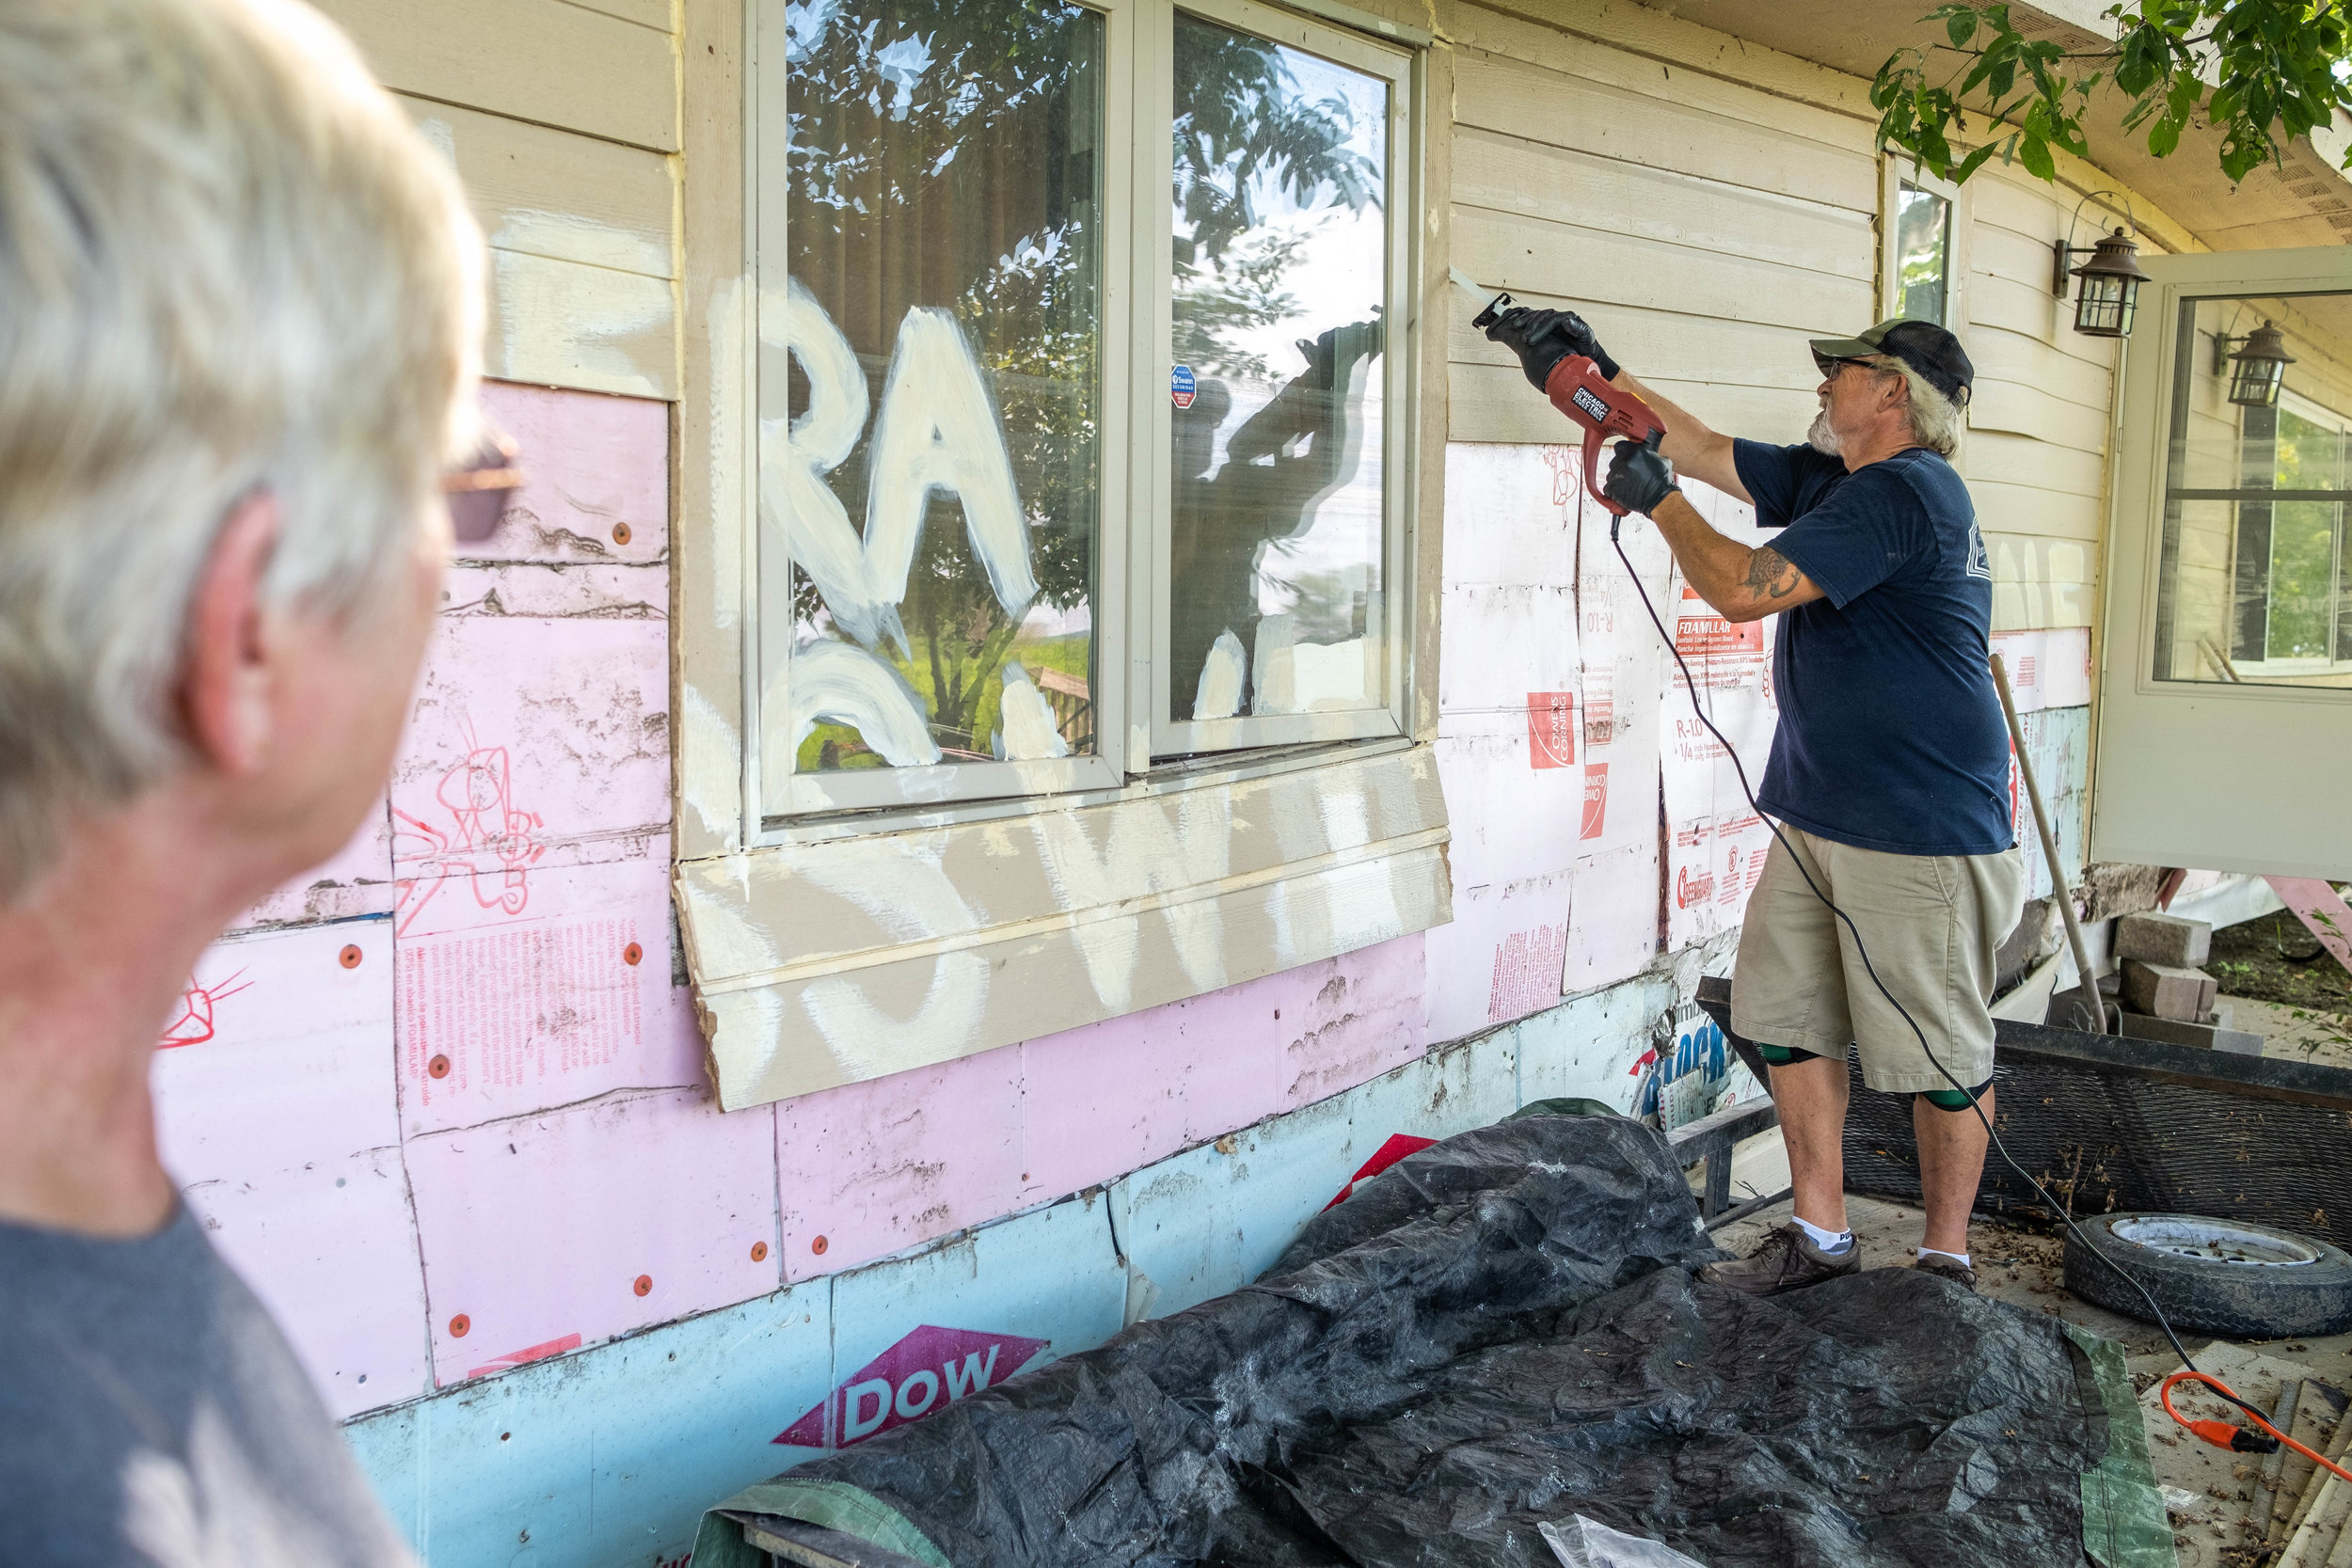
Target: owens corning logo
{"points": [[1582, 397]]}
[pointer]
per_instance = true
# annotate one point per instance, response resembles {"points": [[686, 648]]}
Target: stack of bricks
{"points": [[2167, 996]]}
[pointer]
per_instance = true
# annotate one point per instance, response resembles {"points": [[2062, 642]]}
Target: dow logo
{"points": [[929, 1369]]}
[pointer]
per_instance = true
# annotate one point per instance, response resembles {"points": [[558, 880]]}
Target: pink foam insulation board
{"points": [[872, 1168], [531, 743], [1515, 509], [1514, 850], [278, 1055], [275, 1112], [2046, 669], [1503, 643], [1110, 1095], [567, 997], [331, 1250], [357, 881], [1361, 1015], [545, 1233], [875, 1167], [590, 463]]}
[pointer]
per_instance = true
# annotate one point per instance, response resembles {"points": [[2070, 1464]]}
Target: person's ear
{"points": [[226, 672]]}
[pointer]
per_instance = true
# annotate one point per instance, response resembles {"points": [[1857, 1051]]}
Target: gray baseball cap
{"points": [[1925, 347]]}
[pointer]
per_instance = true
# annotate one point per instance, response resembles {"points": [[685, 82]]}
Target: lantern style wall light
{"points": [[2110, 296], [2262, 365]]}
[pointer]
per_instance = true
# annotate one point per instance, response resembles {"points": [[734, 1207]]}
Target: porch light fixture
{"points": [[2262, 365], [2110, 284]]}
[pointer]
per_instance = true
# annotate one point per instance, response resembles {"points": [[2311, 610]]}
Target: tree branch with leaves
{"points": [[2261, 71]]}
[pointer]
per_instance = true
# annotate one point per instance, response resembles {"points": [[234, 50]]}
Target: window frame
{"points": [[807, 795], [1186, 876], [1135, 739], [1166, 736], [1894, 175]]}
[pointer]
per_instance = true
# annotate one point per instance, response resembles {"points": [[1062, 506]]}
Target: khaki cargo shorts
{"points": [[1931, 923]]}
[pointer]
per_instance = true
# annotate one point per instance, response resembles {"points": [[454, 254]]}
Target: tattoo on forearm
{"points": [[1770, 574]]}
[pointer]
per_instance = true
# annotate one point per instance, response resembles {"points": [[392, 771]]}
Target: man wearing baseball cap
{"points": [[1889, 771]]}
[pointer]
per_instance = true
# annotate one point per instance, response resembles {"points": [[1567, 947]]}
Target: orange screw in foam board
{"points": [[644, 1285], [458, 1326], [437, 1066], [631, 954], [351, 955], [818, 1246], [759, 1252], [620, 534]]}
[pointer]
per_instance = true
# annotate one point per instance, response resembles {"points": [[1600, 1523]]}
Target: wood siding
{"points": [[563, 120]]}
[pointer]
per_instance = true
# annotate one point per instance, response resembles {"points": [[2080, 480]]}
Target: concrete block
{"points": [[2205, 1036], [2163, 938], [2167, 990]]}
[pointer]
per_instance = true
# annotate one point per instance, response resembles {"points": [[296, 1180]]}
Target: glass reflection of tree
{"points": [[1244, 132], [943, 152]]}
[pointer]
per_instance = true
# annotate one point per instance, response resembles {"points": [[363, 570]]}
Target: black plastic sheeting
{"points": [[1503, 1330]]}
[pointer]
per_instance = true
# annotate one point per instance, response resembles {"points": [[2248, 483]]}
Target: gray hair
{"points": [[227, 264], [1936, 422]]}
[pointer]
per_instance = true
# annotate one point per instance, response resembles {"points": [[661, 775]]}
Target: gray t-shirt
{"points": [[151, 1414]]}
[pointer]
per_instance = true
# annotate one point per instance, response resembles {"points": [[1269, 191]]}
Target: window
{"points": [[955, 395], [2255, 584], [933, 372], [1921, 267], [1052, 384], [1275, 598]]}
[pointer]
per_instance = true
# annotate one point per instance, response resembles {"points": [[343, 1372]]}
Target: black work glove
{"points": [[1639, 478], [1542, 339]]}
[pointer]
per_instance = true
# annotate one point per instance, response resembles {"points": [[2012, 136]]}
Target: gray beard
{"points": [[1821, 438]]}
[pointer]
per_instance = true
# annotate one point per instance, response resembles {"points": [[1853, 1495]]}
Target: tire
{"points": [[2296, 1285]]}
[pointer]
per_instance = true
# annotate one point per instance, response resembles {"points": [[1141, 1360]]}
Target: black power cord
{"points": [[2064, 1211]]}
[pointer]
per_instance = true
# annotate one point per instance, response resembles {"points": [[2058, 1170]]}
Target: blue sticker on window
{"points": [[1181, 387]]}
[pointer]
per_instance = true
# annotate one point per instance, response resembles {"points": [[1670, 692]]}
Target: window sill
{"points": [[877, 949]]}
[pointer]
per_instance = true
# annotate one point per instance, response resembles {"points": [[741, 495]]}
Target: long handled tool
{"points": [[2092, 998]]}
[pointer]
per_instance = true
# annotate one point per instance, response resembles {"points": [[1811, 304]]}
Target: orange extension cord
{"points": [[2238, 1439]]}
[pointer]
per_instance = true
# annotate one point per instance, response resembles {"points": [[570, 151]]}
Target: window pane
{"points": [[2303, 543], [1923, 227], [936, 348], [1278, 602], [2251, 581]]}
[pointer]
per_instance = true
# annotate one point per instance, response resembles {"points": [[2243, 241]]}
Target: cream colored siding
{"points": [[563, 120], [1706, 228], [2037, 449]]}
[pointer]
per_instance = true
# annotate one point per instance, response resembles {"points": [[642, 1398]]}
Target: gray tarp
{"points": [[1501, 1331]]}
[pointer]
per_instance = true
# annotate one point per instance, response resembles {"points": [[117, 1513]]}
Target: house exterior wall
{"points": [[445, 1103]]}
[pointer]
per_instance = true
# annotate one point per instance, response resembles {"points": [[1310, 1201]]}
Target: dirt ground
{"points": [[2273, 958], [2211, 1492]]}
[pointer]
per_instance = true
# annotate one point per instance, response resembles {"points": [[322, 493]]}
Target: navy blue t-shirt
{"points": [[1891, 736]]}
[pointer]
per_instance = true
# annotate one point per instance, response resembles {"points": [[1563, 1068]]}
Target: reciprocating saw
{"points": [[1574, 384]]}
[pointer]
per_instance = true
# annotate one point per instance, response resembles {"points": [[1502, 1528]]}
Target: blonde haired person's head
{"points": [[229, 268]]}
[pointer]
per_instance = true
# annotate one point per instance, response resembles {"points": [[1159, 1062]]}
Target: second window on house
{"points": [[1056, 478]]}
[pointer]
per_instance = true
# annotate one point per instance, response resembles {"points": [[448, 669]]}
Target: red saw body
{"points": [[1607, 413]]}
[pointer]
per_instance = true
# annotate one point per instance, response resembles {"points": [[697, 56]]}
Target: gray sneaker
{"points": [[1952, 1269], [1786, 1259]]}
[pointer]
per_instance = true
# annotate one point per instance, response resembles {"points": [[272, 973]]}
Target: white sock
{"points": [[1828, 1241], [1959, 1257]]}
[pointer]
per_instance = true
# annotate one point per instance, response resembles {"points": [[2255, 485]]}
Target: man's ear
{"points": [[226, 672]]}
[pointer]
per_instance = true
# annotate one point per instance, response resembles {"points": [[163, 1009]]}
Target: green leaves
{"points": [[2278, 68]]}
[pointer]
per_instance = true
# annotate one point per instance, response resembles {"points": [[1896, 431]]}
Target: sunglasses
{"points": [[1830, 364], [480, 490]]}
